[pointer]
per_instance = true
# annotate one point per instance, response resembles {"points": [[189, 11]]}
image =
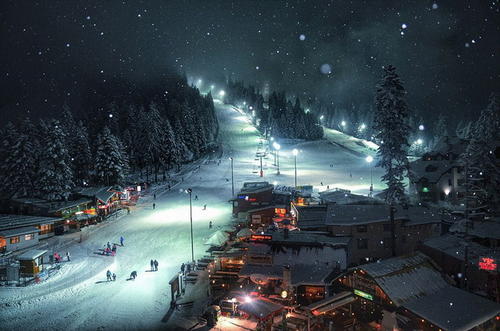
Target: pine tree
{"points": [[440, 129], [9, 136], [55, 178], [83, 159], [391, 118], [482, 169], [109, 162]]}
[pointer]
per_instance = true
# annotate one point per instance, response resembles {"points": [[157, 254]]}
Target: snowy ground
{"points": [[78, 296]]}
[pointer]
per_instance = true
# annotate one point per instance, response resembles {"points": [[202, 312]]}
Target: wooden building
{"points": [[31, 262]]}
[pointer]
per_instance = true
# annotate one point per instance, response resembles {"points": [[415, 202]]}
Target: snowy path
{"points": [[79, 297]]}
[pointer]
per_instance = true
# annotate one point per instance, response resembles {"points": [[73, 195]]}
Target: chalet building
{"points": [[481, 275], [106, 199], [438, 175], [369, 227], [253, 195], [22, 231], [409, 293]]}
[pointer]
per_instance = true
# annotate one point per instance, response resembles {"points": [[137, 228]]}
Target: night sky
{"points": [[447, 52]]}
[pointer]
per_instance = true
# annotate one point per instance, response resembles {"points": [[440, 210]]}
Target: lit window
{"points": [[30, 236], [14, 240]]}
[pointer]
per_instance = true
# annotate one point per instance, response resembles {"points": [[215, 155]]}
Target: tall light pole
{"points": [[277, 148], [369, 159], [295, 152], [190, 191], [232, 176]]}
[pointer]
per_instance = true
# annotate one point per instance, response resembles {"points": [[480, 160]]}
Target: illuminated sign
{"points": [[261, 237], [363, 295], [425, 190], [486, 263], [245, 197]]}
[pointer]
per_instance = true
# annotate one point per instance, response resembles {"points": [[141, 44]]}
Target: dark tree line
{"points": [[124, 131], [279, 117]]}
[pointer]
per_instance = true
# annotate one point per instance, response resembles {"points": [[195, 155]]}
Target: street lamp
{"points": [[369, 159], [222, 93], [190, 191], [277, 148], [295, 152], [232, 176]]}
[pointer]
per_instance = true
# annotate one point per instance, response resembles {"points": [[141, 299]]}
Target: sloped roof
{"points": [[260, 307], [18, 231], [52, 206], [454, 246], [8, 221], [485, 229], [307, 274], [365, 214], [453, 309], [343, 197], [255, 187], [309, 237], [270, 271], [311, 216], [101, 193], [405, 278], [31, 254]]}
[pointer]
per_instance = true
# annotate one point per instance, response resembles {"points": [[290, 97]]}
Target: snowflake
{"points": [[302, 37]]}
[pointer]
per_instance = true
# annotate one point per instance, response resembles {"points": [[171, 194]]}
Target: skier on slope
{"points": [[133, 274], [152, 265], [108, 275], [210, 224], [121, 241], [156, 265], [114, 276]]}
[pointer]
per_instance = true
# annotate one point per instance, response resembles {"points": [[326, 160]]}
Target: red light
{"points": [[487, 263]]}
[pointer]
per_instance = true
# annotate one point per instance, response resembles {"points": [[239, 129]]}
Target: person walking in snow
{"points": [[108, 245], [121, 241], [154, 205], [114, 276], [156, 265], [183, 267], [154, 196], [196, 197], [108, 275], [133, 274], [68, 256], [204, 207], [188, 268], [152, 265], [210, 224]]}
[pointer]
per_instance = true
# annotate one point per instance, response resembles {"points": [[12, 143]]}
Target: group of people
{"points": [[154, 265], [110, 250], [186, 268], [110, 276]]}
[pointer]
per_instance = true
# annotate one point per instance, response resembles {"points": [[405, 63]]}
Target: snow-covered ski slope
{"points": [[78, 296]]}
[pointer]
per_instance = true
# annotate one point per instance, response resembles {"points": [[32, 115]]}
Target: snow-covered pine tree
{"points": [[109, 162], [55, 178], [479, 159], [9, 136], [83, 159], [440, 129], [391, 130], [23, 164]]}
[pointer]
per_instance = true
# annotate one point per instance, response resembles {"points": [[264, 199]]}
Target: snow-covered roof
{"points": [[405, 278], [245, 232], [485, 229], [18, 231], [454, 246], [218, 238], [343, 197], [31, 254], [308, 238], [267, 270], [260, 308], [101, 193], [311, 216], [453, 309], [365, 214], [16, 221], [307, 274], [52, 206]]}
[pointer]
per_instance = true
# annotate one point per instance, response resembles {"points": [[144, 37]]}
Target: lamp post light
{"points": [[369, 159], [295, 152], [190, 191], [277, 148], [232, 175]]}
